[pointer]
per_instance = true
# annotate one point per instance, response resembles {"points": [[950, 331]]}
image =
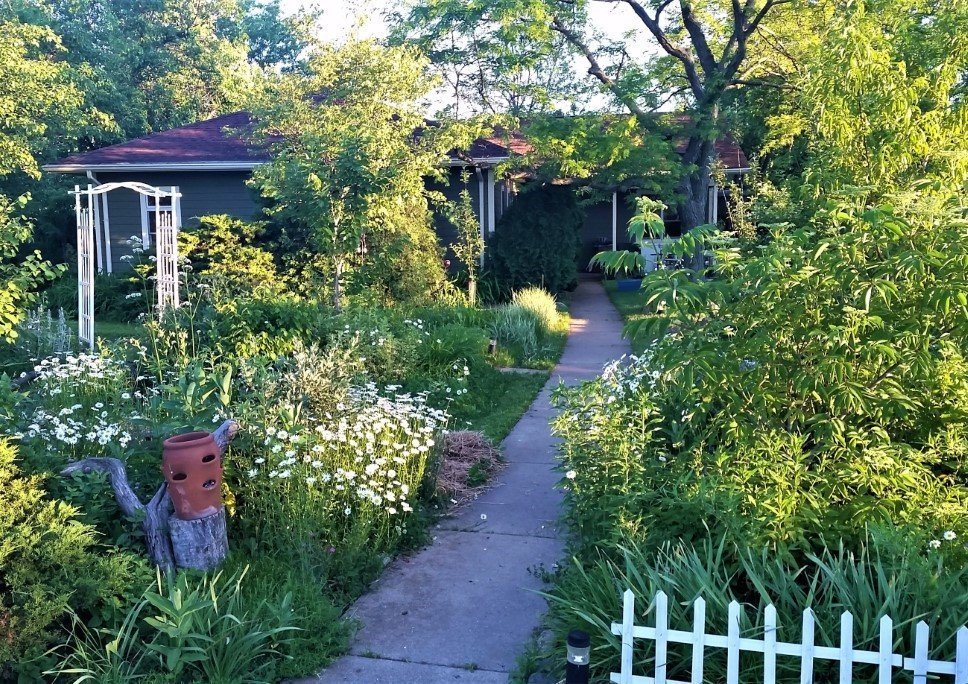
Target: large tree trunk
{"points": [[693, 187]]}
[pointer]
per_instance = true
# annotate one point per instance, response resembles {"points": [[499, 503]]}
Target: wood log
{"points": [[157, 519], [200, 544]]}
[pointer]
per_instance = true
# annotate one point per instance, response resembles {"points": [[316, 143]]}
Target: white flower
{"points": [[253, 472], [950, 535], [571, 474], [260, 461], [934, 544]]}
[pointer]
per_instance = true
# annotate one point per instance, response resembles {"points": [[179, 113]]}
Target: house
{"points": [[210, 162]]}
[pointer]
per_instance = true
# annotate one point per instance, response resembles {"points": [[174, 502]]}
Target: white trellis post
{"points": [[85, 265], [91, 248], [167, 251]]}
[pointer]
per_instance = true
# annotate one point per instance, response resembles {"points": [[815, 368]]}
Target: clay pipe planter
{"points": [[193, 470]]}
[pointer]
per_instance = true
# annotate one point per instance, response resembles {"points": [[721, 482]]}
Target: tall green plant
{"points": [[469, 246]]}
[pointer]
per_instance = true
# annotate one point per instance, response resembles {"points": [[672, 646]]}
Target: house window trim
{"points": [[147, 207]]}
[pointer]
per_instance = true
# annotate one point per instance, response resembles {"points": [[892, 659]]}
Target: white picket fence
{"points": [[884, 658]]}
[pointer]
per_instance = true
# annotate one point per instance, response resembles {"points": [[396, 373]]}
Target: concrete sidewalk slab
{"points": [[468, 599], [358, 670]]}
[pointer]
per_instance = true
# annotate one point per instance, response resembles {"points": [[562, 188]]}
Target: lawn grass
{"points": [[500, 399], [113, 330], [632, 307]]}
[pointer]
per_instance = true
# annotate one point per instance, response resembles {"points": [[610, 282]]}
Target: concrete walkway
{"points": [[462, 609]]}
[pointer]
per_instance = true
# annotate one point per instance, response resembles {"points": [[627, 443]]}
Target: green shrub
{"points": [[810, 390], [536, 242], [230, 255], [542, 304], [118, 296], [49, 565], [885, 576]]}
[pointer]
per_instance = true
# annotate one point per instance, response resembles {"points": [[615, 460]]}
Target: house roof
{"points": [[215, 144]]}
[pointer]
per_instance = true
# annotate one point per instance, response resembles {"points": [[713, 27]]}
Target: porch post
{"points": [[481, 208], [94, 204]]}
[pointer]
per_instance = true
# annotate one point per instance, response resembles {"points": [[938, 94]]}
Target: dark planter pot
{"points": [[628, 284], [193, 470]]}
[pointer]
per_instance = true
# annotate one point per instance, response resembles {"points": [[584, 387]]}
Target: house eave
{"points": [[161, 166]]}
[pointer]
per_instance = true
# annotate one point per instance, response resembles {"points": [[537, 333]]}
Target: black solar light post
{"points": [[579, 651]]}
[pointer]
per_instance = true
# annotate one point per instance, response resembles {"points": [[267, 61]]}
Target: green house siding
{"points": [[203, 193]]}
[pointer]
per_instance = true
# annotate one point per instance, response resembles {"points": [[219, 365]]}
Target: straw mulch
{"points": [[461, 451]]}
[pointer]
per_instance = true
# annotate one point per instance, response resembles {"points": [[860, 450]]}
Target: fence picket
{"points": [[732, 644], [769, 645], [806, 653], [628, 625], [661, 636], [920, 665], [886, 651], [921, 637], [698, 639], [846, 648], [961, 657]]}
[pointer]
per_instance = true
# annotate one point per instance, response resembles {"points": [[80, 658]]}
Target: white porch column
{"points": [[145, 230], [482, 209], [614, 220], [492, 216]]}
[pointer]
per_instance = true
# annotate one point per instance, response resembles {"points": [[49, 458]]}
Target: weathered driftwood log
{"points": [[157, 521]]}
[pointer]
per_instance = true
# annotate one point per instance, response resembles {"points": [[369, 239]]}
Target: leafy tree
{"points": [[876, 98], [350, 152], [275, 42], [486, 65], [704, 45], [36, 94]]}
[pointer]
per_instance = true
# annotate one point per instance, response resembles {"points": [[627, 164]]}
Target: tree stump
{"points": [[201, 544]]}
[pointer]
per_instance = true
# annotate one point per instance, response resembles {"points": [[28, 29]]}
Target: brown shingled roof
{"points": [[214, 144]]}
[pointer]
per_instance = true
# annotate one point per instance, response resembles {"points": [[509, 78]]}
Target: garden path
{"points": [[464, 607]]}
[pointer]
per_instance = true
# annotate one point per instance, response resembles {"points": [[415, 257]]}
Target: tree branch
{"points": [[595, 69]]}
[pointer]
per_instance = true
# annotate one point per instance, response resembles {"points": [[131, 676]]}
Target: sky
{"points": [[340, 17]]}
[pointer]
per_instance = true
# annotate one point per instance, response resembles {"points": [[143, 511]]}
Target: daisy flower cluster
{"points": [[76, 376], [78, 433], [948, 536], [371, 455]]}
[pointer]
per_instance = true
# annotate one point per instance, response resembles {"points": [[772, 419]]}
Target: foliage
{"points": [[877, 99], [227, 254], [346, 163], [802, 395], [542, 305], [484, 64], [185, 628], [884, 576], [469, 246], [49, 564], [536, 241], [648, 232]]}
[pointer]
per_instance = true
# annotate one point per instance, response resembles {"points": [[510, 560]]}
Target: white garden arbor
{"points": [[94, 245]]}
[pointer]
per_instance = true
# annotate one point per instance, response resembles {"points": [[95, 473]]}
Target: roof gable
{"points": [[215, 144]]}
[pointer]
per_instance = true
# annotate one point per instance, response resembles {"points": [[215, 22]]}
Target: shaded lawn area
{"points": [[496, 402], [112, 330], [632, 307]]}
